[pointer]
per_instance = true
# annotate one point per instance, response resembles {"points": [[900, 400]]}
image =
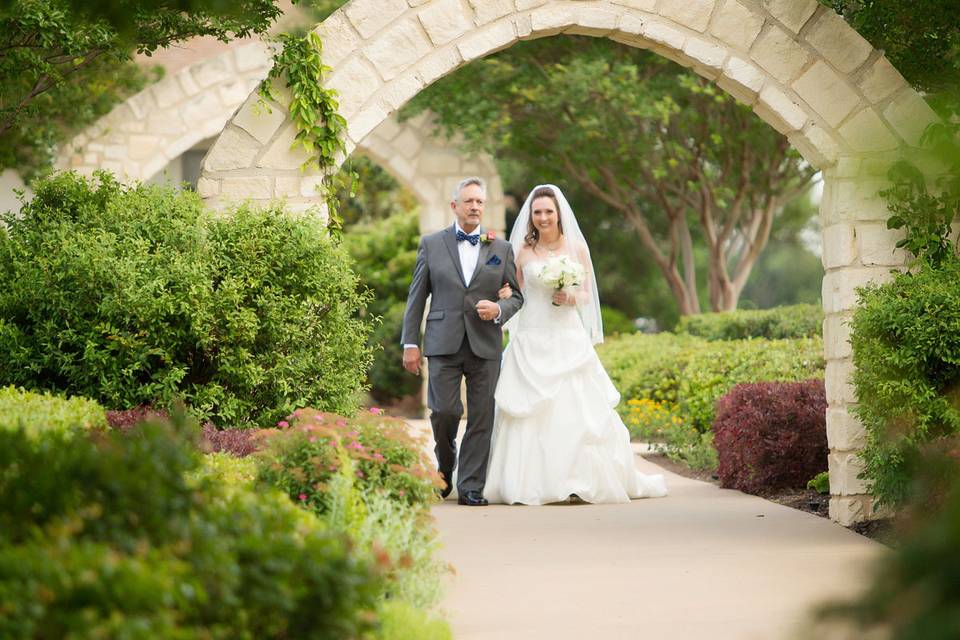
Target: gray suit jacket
{"points": [[453, 306]]}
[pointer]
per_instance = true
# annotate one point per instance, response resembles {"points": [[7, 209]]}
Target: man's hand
{"points": [[488, 310], [505, 291], [411, 359]]}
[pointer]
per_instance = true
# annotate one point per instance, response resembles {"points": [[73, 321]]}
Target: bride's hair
{"points": [[533, 234]]}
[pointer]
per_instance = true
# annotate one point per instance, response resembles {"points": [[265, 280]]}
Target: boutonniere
{"points": [[488, 237]]}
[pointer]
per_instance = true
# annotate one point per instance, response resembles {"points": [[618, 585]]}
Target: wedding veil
{"points": [[589, 309]]}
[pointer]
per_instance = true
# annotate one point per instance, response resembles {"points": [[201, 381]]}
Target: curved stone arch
{"points": [[140, 136], [800, 67]]}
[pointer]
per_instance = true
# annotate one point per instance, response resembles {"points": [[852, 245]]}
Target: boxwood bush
{"points": [[906, 348], [40, 412], [138, 295], [795, 321]]}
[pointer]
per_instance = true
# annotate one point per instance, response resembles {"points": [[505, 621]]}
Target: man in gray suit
{"points": [[462, 268]]}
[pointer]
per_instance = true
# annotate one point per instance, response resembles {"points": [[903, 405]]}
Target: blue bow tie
{"points": [[472, 238]]}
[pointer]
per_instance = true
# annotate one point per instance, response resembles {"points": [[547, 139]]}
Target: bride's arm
{"points": [[581, 293]]}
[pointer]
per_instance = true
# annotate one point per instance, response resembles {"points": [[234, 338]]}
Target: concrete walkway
{"points": [[701, 563]]}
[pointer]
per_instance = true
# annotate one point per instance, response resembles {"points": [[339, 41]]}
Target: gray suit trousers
{"points": [[443, 398]]}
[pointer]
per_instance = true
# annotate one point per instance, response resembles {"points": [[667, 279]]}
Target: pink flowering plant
{"points": [[307, 449]]}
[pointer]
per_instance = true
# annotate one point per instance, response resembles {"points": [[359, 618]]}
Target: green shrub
{"points": [[615, 322], [400, 621], [118, 536], [648, 366], [906, 352], [820, 483], [385, 252], [38, 412], [139, 295], [795, 321], [716, 368]]}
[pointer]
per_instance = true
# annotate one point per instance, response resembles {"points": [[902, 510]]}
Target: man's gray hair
{"points": [[466, 182]]}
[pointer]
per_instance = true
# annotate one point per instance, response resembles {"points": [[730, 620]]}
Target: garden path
{"points": [[703, 562]]}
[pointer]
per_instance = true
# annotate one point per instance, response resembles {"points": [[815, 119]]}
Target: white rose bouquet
{"points": [[559, 272]]}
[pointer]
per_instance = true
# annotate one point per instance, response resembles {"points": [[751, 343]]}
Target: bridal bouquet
{"points": [[560, 271]]}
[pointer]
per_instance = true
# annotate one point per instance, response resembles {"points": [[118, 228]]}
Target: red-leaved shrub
{"points": [[771, 435], [236, 442], [125, 419]]}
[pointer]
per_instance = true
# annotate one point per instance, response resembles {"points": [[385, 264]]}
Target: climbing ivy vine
{"points": [[314, 109]]}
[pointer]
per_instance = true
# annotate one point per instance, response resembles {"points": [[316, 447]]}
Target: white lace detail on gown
{"points": [[556, 432]]}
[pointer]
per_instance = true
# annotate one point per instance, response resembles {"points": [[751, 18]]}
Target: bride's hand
{"points": [[561, 297], [505, 292]]}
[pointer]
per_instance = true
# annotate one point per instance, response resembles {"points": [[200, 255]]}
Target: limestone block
{"points": [[234, 149], [440, 162], [779, 53], [836, 336], [168, 92], [909, 114], [205, 105], [848, 510], [817, 146], [737, 25], [551, 20], [233, 93], [878, 245], [693, 14], [286, 186], [642, 5], [844, 431], [445, 20], [207, 187], [523, 25], [741, 79], [629, 30], [404, 170], [838, 380], [338, 37], [792, 13], [859, 199], [489, 10], [397, 48], [487, 40], [779, 110], [280, 155], [355, 81], [523, 5], [257, 120], [438, 64], [594, 21], [252, 187], [364, 122], [708, 58], [848, 167], [311, 186], [838, 42], [844, 469], [839, 287], [188, 84], [388, 129], [142, 103], [140, 147], [256, 55], [368, 16], [865, 132], [827, 92], [664, 34], [839, 245], [408, 144], [90, 158], [881, 80], [211, 71], [396, 92]]}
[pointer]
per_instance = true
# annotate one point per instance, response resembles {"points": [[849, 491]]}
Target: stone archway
{"points": [[139, 137], [800, 67]]}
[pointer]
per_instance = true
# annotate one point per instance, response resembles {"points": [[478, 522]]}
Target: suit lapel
{"points": [[450, 239], [482, 258]]}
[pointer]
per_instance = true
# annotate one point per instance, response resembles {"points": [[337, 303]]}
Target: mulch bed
{"points": [[808, 500]]}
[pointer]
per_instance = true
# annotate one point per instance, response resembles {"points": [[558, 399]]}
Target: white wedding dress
{"points": [[556, 432]]}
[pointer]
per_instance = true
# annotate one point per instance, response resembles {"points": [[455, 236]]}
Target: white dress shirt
{"points": [[469, 255]]}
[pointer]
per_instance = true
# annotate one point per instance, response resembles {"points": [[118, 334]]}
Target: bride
{"points": [[556, 433]]}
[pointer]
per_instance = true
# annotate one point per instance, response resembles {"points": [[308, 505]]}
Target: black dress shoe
{"points": [[446, 491], [473, 499]]}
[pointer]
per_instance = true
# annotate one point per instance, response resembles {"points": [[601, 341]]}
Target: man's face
{"points": [[469, 207]]}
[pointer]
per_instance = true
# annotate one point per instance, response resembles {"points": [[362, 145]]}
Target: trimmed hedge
{"points": [[139, 295], [771, 435], [906, 352], [41, 412], [795, 321], [692, 373]]}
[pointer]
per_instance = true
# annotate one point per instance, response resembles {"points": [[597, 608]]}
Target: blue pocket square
{"points": [[493, 261]]}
